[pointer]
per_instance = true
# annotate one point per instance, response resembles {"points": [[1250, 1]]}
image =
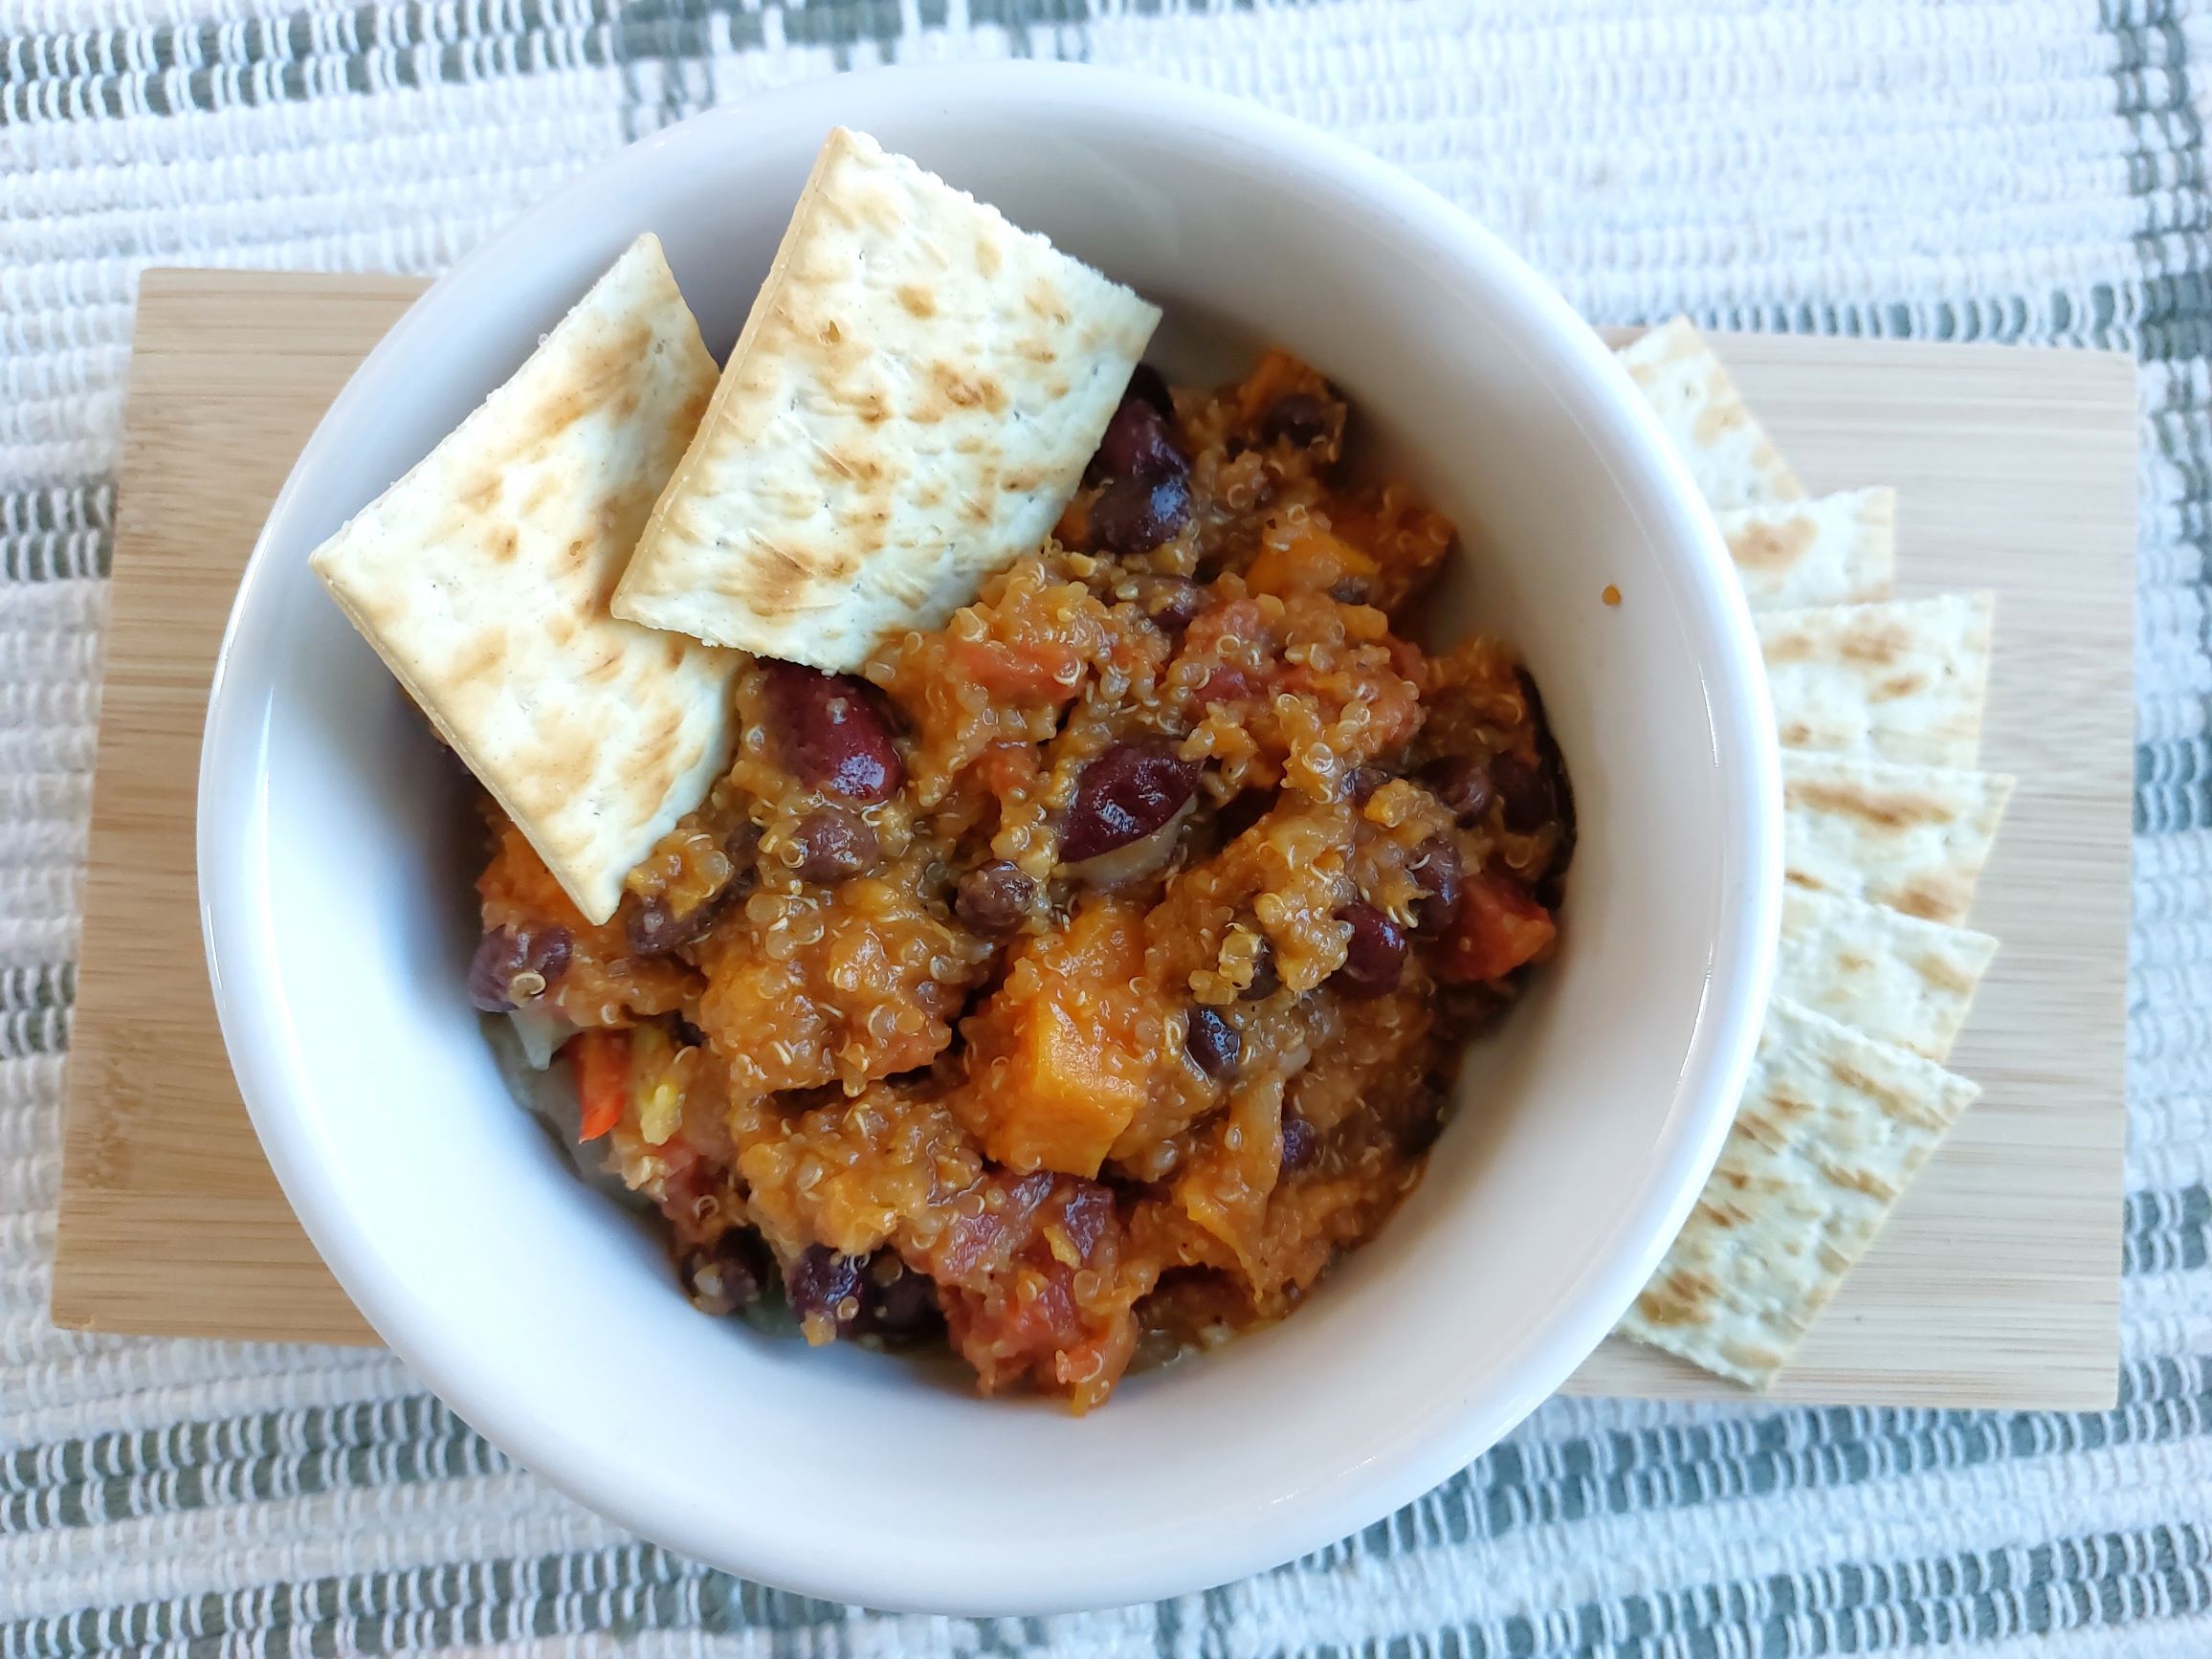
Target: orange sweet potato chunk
{"points": [[1063, 1053]]}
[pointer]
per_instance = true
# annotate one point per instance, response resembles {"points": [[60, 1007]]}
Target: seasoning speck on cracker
{"points": [[1839, 549], [911, 403]]}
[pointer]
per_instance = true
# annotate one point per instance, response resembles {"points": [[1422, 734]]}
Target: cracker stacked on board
{"points": [[1886, 824]]}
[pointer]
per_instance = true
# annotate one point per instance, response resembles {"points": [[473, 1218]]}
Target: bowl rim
{"points": [[1717, 1057]]}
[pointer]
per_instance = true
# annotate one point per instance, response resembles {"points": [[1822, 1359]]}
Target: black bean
{"points": [[1137, 514], [1242, 810], [898, 1306], [833, 735], [728, 1274], [1125, 794], [1173, 603], [655, 929], [822, 1283], [686, 1033], [1301, 420], [1265, 980], [1549, 883], [1213, 1045], [1461, 783], [1437, 867], [515, 965], [1524, 793], [1147, 384], [833, 844], [1351, 590], [1301, 1143], [1416, 1133], [1362, 782], [1374, 955], [994, 898], [1140, 443]]}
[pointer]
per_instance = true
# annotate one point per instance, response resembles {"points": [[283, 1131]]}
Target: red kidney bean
{"points": [[1137, 514], [1213, 1043], [1140, 443], [835, 844], [1126, 793], [831, 733], [994, 898], [515, 965], [1374, 955]]}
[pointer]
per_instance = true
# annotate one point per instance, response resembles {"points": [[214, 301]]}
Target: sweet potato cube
{"points": [[1313, 562], [1062, 1062]]}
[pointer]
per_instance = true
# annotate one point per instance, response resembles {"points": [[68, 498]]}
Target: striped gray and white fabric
{"points": [[2033, 170]]}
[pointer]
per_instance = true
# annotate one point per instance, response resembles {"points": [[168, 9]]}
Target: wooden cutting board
{"points": [[1996, 1283]]}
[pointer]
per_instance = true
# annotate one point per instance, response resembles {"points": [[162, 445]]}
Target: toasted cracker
{"points": [[1831, 1130], [1705, 417], [1913, 838], [1900, 681], [911, 403], [1839, 549], [482, 578], [1895, 977]]}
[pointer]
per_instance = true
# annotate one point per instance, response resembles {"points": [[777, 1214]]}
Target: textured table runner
{"points": [[2032, 171]]}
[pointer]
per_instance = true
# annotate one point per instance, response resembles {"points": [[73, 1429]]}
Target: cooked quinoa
{"points": [[1075, 985]]}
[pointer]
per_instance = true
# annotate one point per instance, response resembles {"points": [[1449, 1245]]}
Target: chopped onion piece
{"points": [[1135, 860], [541, 1035]]}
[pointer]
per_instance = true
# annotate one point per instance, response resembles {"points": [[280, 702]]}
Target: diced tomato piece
{"points": [[1227, 684], [1498, 928], [1004, 768], [1031, 673], [601, 1059]]}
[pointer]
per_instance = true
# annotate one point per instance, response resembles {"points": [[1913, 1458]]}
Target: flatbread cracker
{"points": [[482, 578], [1839, 549], [1832, 1129], [911, 403], [1895, 977], [1913, 838], [1901, 680], [1705, 417]]}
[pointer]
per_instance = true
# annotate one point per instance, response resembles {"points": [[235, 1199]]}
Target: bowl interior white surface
{"points": [[336, 887]]}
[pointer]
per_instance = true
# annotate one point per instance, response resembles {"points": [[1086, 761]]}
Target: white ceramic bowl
{"points": [[334, 878]]}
